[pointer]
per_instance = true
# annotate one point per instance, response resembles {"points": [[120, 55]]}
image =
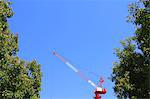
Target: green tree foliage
{"points": [[131, 73], [18, 79]]}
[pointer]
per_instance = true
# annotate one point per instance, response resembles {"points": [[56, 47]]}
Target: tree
{"points": [[131, 73], [18, 79]]}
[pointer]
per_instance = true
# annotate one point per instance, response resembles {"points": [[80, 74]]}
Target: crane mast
{"points": [[99, 90]]}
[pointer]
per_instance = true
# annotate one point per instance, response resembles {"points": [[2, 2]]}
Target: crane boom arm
{"points": [[74, 69]]}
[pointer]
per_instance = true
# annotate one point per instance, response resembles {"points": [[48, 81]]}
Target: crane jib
{"points": [[74, 69], [99, 90]]}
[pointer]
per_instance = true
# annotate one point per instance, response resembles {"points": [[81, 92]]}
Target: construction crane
{"points": [[98, 88]]}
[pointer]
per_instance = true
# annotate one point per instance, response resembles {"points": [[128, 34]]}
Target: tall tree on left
{"points": [[18, 79]]}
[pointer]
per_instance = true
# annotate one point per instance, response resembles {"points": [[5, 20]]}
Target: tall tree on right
{"points": [[131, 73]]}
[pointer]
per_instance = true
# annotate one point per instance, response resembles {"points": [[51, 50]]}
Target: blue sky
{"points": [[83, 31]]}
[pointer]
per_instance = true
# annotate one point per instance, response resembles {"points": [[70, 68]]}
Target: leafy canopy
{"points": [[18, 79], [131, 73]]}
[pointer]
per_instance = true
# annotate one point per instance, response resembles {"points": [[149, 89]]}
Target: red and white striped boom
{"points": [[74, 69]]}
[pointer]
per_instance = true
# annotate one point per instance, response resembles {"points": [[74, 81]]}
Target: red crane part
{"points": [[99, 90]]}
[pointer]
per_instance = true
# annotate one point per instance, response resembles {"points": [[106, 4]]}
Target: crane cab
{"points": [[100, 90]]}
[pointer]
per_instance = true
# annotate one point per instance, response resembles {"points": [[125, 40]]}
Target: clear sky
{"points": [[83, 31]]}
